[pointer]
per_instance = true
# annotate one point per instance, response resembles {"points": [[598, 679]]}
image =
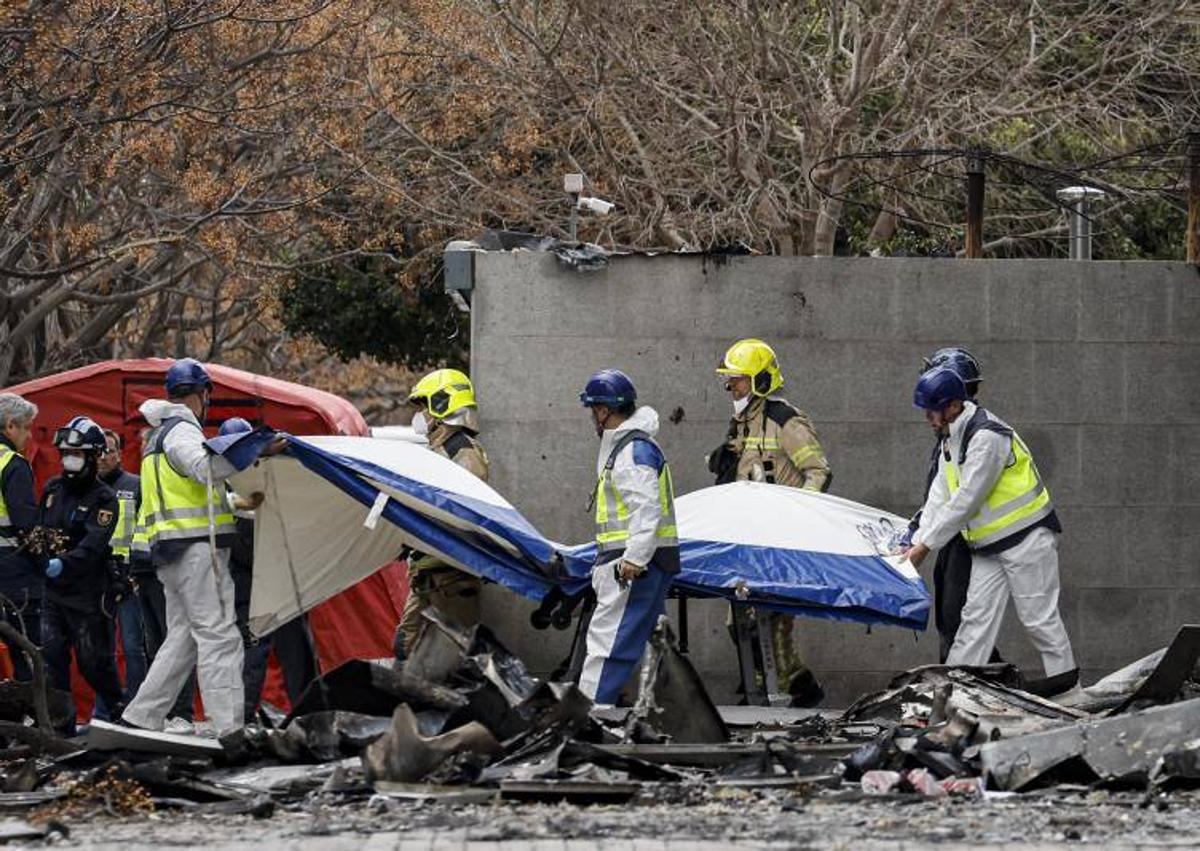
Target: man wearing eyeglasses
{"points": [[20, 577]]}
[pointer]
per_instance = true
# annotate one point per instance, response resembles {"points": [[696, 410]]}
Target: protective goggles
{"points": [[69, 438]]}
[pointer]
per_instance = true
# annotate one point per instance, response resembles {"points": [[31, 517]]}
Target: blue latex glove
{"points": [[54, 568]]}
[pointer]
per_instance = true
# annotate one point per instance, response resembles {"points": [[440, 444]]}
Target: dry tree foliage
{"points": [[166, 167]]}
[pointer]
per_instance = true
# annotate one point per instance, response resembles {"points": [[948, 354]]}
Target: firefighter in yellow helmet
{"points": [[769, 440], [448, 417]]}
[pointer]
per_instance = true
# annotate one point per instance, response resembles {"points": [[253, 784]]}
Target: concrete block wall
{"points": [[1096, 364]]}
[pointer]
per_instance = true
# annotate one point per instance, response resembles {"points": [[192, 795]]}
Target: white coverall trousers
{"points": [[202, 633], [1029, 572]]}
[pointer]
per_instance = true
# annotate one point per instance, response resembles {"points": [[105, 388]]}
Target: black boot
{"points": [[806, 692]]}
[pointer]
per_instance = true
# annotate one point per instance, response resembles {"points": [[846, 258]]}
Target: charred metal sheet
{"points": [[772, 717], [884, 704], [328, 736], [439, 794], [713, 756], [576, 753], [924, 696], [551, 757], [671, 696], [405, 756], [1159, 677], [439, 649], [170, 777], [1123, 748], [783, 782], [1172, 671], [103, 736], [372, 688], [275, 779], [1180, 767], [12, 829], [559, 705], [490, 659], [22, 800], [488, 705], [574, 791], [258, 806]]}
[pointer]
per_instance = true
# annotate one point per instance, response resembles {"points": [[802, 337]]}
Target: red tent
{"points": [[358, 623]]}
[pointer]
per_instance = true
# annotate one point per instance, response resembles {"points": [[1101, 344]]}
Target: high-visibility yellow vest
{"points": [[8, 540], [1018, 500], [122, 537], [612, 514], [175, 508]]}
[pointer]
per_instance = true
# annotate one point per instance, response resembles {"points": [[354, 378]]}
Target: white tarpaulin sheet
{"points": [[339, 507]]}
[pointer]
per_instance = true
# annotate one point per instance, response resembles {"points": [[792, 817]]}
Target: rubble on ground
{"points": [[462, 722]]}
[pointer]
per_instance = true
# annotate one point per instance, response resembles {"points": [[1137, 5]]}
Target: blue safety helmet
{"points": [[186, 372], [81, 433], [937, 388], [235, 425], [959, 360], [608, 387]]}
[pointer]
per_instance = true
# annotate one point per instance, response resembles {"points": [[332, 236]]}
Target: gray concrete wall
{"points": [[1095, 363]]}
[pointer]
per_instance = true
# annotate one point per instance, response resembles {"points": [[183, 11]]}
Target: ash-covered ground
{"points": [[726, 818]]}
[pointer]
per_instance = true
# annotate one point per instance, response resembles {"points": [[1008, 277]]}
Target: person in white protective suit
{"points": [[637, 547], [188, 525], [988, 489]]}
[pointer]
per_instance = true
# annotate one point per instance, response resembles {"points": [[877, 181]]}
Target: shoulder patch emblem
{"points": [[49, 499], [104, 517]]}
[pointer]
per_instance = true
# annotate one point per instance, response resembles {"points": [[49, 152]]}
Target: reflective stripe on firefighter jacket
{"points": [[776, 443]]}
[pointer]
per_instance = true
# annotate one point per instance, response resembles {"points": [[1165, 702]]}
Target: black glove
{"points": [[723, 463], [120, 583]]}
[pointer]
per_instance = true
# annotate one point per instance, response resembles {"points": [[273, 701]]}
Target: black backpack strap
{"points": [[980, 422], [625, 439], [456, 443], [621, 443], [780, 412]]}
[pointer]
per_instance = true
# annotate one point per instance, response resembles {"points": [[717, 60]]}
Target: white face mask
{"points": [[740, 405], [73, 463], [420, 425]]}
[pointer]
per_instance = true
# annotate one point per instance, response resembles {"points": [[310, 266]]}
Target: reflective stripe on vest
{"points": [[122, 538], [612, 514], [1018, 500], [175, 507], [141, 541], [8, 540]]}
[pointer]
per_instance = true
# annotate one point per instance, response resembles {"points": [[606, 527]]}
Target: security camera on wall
{"points": [[596, 205]]}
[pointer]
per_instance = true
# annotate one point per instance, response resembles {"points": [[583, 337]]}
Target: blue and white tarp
{"points": [[337, 508]]}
